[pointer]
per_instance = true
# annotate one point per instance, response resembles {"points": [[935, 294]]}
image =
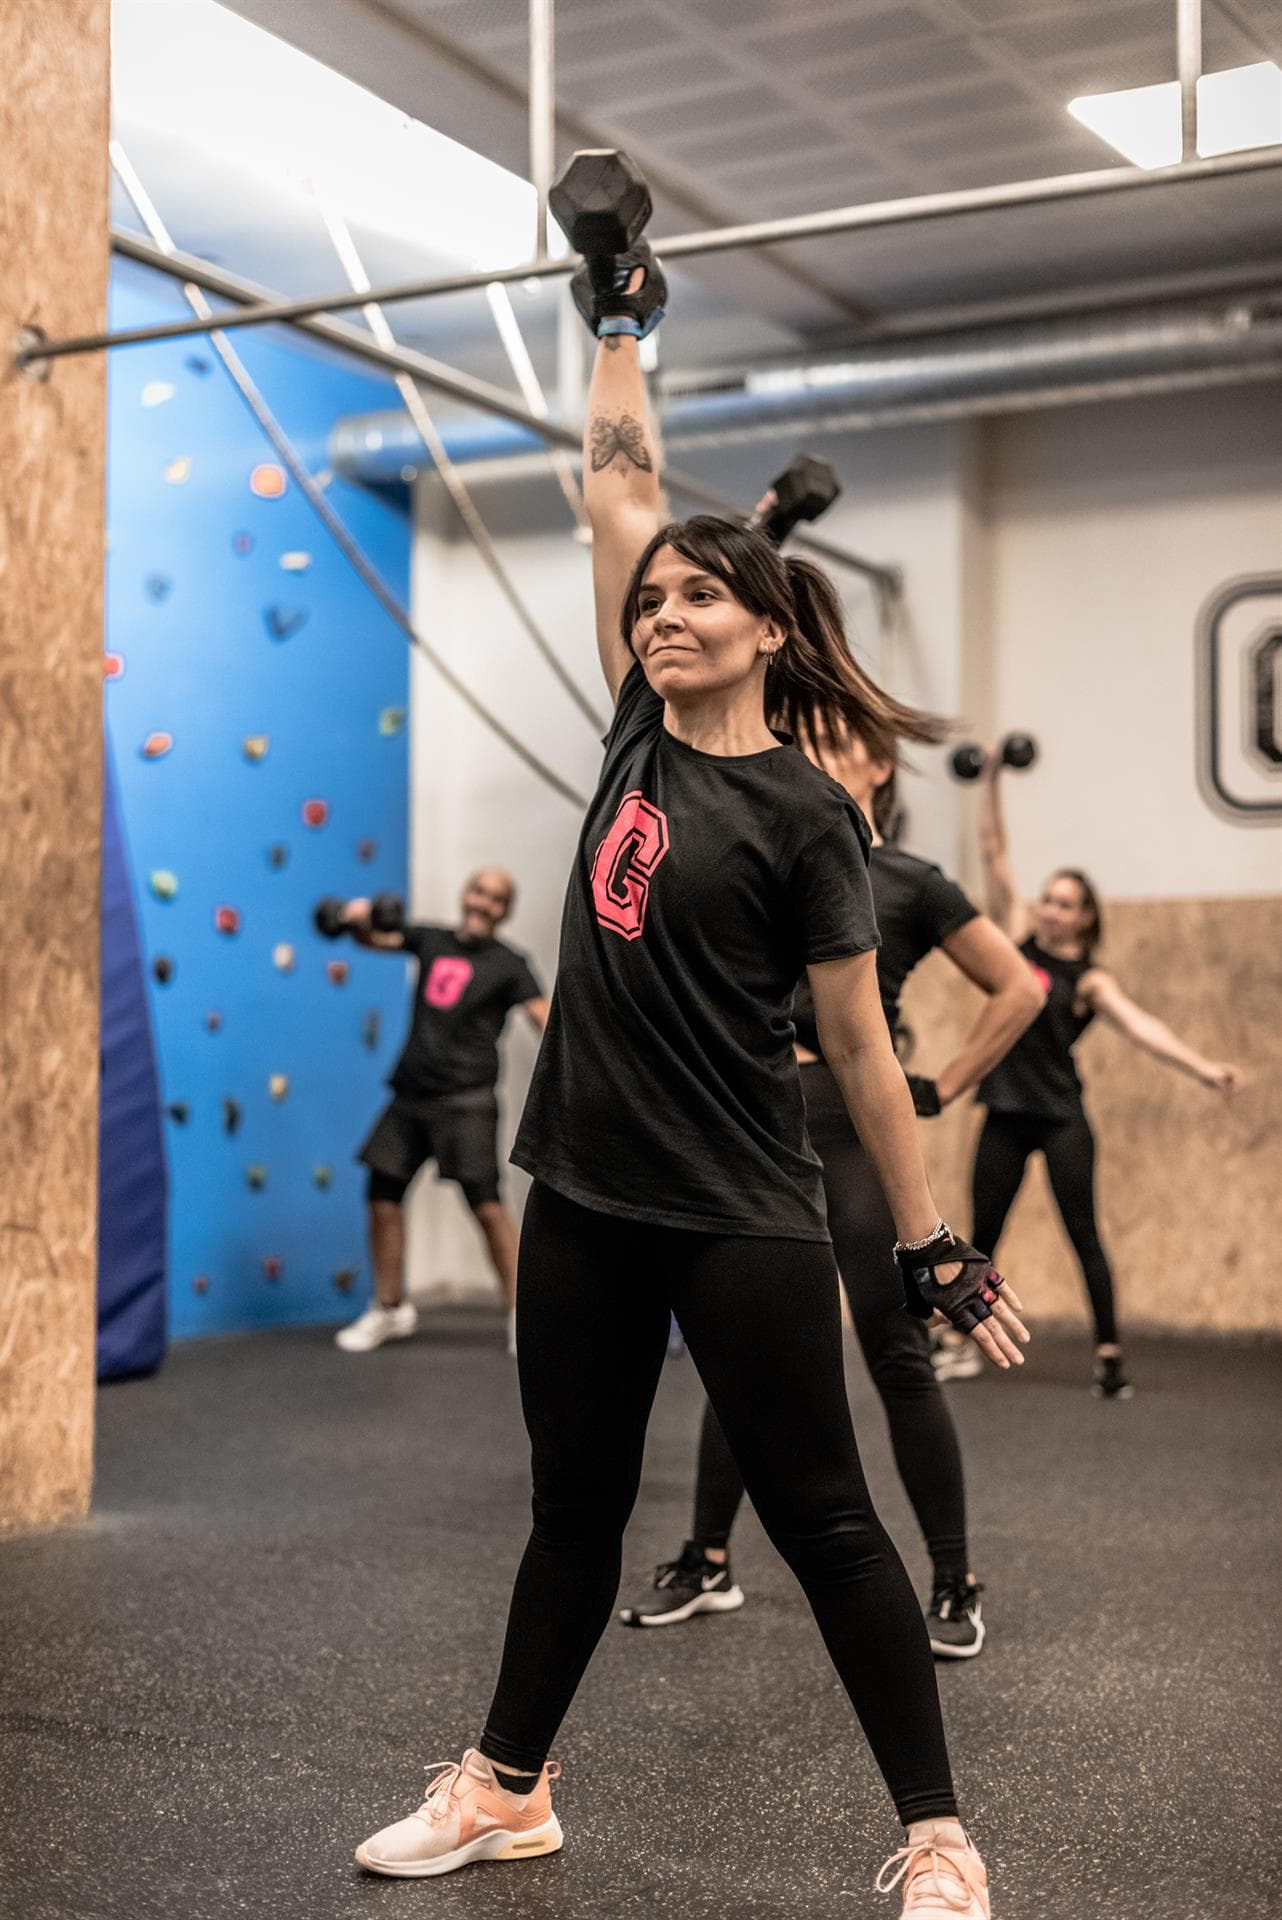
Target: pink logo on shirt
{"points": [[1041, 976], [447, 981], [625, 864]]}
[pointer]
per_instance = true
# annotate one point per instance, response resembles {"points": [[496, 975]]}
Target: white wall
{"points": [[1109, 527], [1055, 564]]}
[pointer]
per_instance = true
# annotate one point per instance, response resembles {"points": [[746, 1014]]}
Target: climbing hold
{"points": [[277, 857], [163, 883], [391, 720], [371, 1025], [323, 1177], [315, 813], [201, 1283], [178, 472], [231, 1116], [278, 1085], [213, 1022], [179, 1112], [345, 1278], [163, 968], [254, 746], [113, 666], [295, 562], [156, 392], [282, 622], [197, 363], [283, 957], [226, 920], [242, 544], [272, 1266], [267, 481], [158, 587], [336, 972], [256, 1178], [366, 849], [156, 746]]}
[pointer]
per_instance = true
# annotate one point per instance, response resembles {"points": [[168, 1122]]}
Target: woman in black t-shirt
{"points": [[665, 1132], [918, 910], [1034, 1096]]}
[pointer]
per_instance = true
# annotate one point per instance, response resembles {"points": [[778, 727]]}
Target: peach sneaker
{"points": [[941, 1881], [465, 1816]]}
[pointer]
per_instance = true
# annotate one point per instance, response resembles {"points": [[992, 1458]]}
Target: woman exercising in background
{"points": [[1034, 1096], [918, 909]]}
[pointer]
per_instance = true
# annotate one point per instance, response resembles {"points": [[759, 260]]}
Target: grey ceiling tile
{"points": [[1076, 29], [969, 101], [659, 118], [906, 64], [848, 33]]}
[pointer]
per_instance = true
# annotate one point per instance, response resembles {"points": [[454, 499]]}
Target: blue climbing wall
{"points": [[255, 698]]}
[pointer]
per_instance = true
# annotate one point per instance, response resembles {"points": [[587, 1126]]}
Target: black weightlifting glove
{"points": [[600, 290], [965, 1301], [925, 1095]]}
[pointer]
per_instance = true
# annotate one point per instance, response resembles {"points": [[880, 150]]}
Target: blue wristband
{"points": [[618, 323]]}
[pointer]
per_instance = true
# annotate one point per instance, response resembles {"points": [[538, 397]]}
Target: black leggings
{"points": [[896, 1349], [1001, 1155], [761, 1321]]}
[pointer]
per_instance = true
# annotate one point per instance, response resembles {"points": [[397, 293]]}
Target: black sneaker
{"points": [[1111, 1382], [955, 1621], [693, 1584]]}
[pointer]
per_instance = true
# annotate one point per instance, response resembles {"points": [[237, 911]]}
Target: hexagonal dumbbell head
{"points": [[803, 491], [600, 201]]}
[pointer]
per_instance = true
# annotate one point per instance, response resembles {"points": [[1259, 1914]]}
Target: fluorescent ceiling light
{"points": [[223, 96], [1143, 123], [1240, 107]]}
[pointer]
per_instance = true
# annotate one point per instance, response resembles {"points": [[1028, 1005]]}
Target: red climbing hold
{"points": [[315, 813], [337, 972], [226, 920]]}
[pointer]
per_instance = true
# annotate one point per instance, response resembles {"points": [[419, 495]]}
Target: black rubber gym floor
{"points": [[292, 1592]]}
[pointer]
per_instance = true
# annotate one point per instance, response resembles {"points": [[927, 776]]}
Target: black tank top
{"points": [[1038, 1075]]}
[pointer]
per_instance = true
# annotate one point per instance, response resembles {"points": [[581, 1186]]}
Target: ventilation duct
{"points": [[991, 370]]}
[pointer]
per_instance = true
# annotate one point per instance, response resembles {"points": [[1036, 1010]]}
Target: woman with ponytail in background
{"points": [[665, 1133], [1034, 1095]]}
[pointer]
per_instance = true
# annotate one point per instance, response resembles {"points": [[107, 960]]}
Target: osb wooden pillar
{"points": [[53, 242]]}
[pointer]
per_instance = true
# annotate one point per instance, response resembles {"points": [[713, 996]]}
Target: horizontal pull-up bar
{"points": [[764, 233], [396, 358]]}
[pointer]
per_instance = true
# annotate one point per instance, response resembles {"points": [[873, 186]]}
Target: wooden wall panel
{"points": [[53, 241], [1189, 1185]]}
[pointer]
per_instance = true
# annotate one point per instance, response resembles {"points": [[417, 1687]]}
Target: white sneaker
{"points": [[375, 1325], [956, 1362], [466, 1816]]}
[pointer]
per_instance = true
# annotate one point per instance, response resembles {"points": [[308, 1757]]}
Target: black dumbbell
{"points": [[328, 917], [802, 492], [601, 203], [387, 913], [1018, 750]]}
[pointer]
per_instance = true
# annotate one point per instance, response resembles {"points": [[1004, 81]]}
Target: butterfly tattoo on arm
{"points": [[624, 436]]}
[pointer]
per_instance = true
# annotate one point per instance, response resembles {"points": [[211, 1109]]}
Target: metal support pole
{"points": [[433, 373], [542, 115], [1188, 50], [509, 331], [685, 246]]}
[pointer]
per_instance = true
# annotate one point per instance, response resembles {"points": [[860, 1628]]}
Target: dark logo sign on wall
{"points": [[1239, 643]]}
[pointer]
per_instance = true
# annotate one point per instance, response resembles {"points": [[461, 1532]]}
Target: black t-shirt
{"points": [[1038, 1075], [666, 1088], [917, 908], [463, 993]]}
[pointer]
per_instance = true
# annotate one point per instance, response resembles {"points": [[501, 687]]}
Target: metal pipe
{"points": [[1188, 53], [461, 386], [764, 233], [542, 116]]}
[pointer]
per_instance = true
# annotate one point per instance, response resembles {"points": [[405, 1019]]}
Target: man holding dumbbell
{"points": [[444, 1106]]}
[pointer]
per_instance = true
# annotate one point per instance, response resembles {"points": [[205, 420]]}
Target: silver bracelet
{"points": [[915, 1246]]}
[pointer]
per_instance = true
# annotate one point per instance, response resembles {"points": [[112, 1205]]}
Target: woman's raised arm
{"points": [[620, 487], [1001, 897]]}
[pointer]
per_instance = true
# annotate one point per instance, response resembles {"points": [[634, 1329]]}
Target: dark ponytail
{"points": [[815, 688], [1093, 934]]}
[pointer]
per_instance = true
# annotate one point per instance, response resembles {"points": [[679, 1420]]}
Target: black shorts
{"points": [[459, 1131]]}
